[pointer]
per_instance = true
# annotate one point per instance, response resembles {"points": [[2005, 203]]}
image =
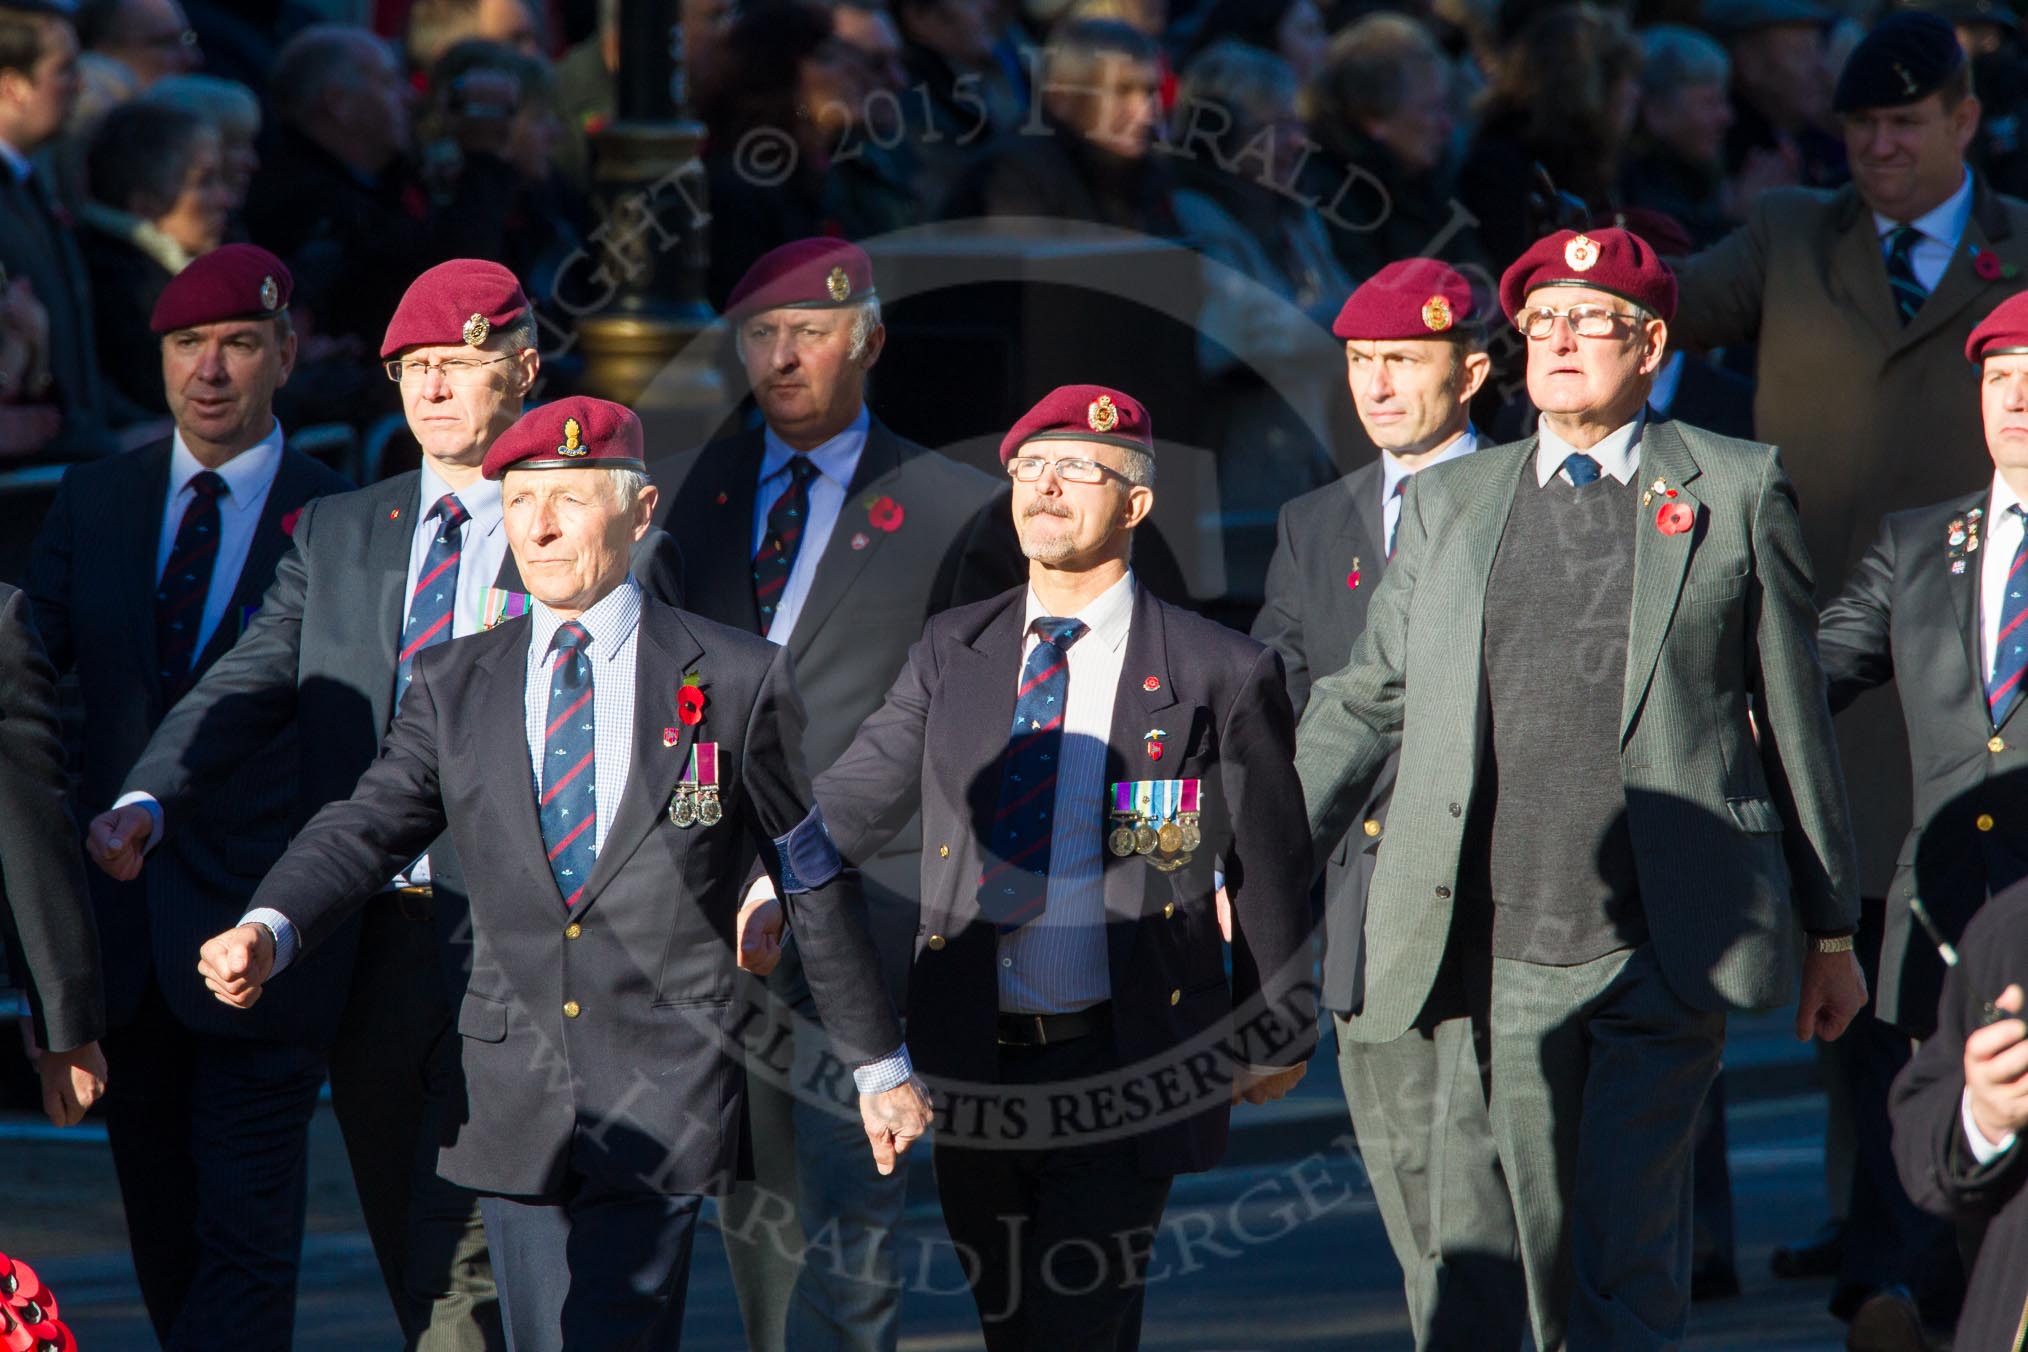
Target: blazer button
{"points": [[572, 930], [1371, 827], [1457, 811], [1997, 745], [570, 1009], [1169, 911], [1984, 822], [1442, 893], [1176, 996], [936, 941], [943, 852]]}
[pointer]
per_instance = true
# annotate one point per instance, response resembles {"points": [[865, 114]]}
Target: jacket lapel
{"points": [[664, 651], [508, 775], [1960, 285], [1660, 561], [1964, 593], [841, 563], [290, 489], [979, 681], [390, 535], [1136, 710], [720, 569], [1366, 522], [136, 520], [1858, 271]]}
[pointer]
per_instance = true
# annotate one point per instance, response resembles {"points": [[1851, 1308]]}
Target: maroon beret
{"points": [[1670, 236], [1611, 260], [2004, 330], [234, 281], [1083, 413], [461, 301], [804, 274], [570, 432], [1413, 298]]}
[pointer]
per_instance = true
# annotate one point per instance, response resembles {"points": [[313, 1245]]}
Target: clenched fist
{"points": [[118, 840], [236, 964]]}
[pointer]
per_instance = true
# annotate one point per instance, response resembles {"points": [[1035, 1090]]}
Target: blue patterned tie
{"points": [[1909, 293], [1016, 881], [2010, 650], [435, 601], [777, 555], [186, 582], [570, 805], [1581, 468]]}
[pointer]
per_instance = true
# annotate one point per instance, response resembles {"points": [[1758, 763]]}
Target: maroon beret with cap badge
{"points": [[461, 301], [2004, 330], [1410, 298], [1616, 261], [805, 274], [233, 281], [568, 433], [1083, 413]]}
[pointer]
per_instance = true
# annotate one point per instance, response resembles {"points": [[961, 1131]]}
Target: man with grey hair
{"points": [[830, 535], [1679, 168], [374, 579]]}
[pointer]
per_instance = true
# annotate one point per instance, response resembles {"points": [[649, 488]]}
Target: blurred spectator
{"points": [[1564, 98], [878, 167], [1148, 16], [1085, 155], [336, 194], [27, 417], [867, 29], [1380, 111], [158, 200], [960, 97], [38, 84], [151, 38], [1271, 287], [585, 94], [1678, 167], [1781, 94], [1990, 33], [435, 26], [234, 112], [1291, 29]]}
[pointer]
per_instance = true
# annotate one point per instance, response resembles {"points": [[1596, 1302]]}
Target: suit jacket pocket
{"points": [[1755, 816], [482, 1019], [1715, 591]]}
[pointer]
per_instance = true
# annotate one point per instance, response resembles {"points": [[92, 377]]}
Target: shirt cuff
{"points": [[278, 925], [154, 809], [1983, 1150], [877, 1077]]}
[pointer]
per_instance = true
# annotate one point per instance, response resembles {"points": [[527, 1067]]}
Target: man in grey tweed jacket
{"points": [[1617, 784]]}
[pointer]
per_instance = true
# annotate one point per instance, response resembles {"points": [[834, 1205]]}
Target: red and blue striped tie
{"points": [[2010, 650], [570, 804], [1015, 885], [186, 582], [434, 604], [777, 555]]}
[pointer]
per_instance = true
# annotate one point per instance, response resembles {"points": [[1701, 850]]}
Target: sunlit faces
{"points": [[804, 374], [2003, 399], [464, 398], [1906, 161], [1413, 395], [1068, 524], [220, 380], [572, 531], [1569, 375]]}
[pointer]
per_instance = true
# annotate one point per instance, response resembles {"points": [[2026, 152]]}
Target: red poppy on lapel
{"points": [[1675, 518], [1352, 579], [289, 520], [885, 514], [690, 701]]}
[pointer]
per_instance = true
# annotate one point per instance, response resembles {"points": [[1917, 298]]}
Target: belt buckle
{"points": [[1041, 1031]]}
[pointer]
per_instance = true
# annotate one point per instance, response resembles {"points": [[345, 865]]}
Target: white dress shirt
{"points": [[1618, 455], [248, 477], [1983, 1150], [1057, 962], [2000, 536], [1941, 229], [837, 460], [482, 547], [1393, 472]]}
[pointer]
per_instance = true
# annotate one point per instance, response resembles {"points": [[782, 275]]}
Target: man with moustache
{"points": [[1081, 753], [1414, 357], [600, 762], [375, 579], [149, 566], [1620, 853]]}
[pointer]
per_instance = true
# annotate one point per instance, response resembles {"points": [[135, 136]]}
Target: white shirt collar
{"points": [[1945, 223], [1618, 455], [17, 163], [480, 499], [1108, 615], [1392, 471], [836, 459], [2004, 497], [247, 475], [609, 621]]}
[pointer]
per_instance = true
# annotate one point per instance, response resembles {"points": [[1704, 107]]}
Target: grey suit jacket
{"points": [[1733, 841]]}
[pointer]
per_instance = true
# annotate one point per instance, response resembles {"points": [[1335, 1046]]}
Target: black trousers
{"points": [[602, 1269], [1054, 1243]]}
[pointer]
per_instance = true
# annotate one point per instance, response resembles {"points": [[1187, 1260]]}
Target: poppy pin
{"points": [[1675, 518], [885, 514], [690, 701], [289, 521]]}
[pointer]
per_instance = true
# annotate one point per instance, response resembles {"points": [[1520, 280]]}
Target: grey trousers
{"points": [[1599, 1072], [1419, 1114]]}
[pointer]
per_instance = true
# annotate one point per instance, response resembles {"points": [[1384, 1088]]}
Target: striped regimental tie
{"points": [[1016, 881], [777, 555], [186, 582], [570, 805], [435, 601]]}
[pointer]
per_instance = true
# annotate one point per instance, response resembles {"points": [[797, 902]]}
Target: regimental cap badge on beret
{"points": [[573, 439], [1436, 314], [1580, 253], [1908, 84], [1101, 416], [838, 285], [271, 294], [477, 328]]}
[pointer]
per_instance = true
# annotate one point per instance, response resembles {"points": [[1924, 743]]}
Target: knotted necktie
{"points": [[1394, 531], [2010, 649], [1909, 294], [1581, 468], [777, 555], [570, 805], [1016, 881], [186, 582], [434, 603]]}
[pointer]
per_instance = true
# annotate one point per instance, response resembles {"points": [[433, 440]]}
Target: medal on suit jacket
{"points": [[696, 799], [1156, 818], [498, 605]]}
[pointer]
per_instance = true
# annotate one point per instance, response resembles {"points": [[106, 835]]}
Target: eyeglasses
{"points": [[1586, 321], [455, 370], [1071, 469]]}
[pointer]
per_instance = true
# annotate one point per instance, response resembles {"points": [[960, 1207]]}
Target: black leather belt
{"points": [[1044, 1030]]}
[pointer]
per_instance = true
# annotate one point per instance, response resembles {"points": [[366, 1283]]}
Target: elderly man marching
{"points": [[603, 1104], [1592, 820]]}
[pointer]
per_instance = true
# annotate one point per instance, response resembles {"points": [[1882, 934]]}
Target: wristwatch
{"points": [[1830, 943]]}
